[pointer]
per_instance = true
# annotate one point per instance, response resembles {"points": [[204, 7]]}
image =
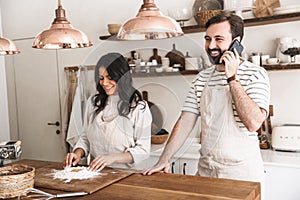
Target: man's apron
{"points": [[226, 151]]}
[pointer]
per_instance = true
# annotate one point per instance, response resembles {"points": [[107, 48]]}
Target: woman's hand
{"points": [[71, 159], [101, 161], [158, 167]]}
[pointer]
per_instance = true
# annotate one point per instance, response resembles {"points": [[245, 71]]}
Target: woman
{"points": [[117, 123]]}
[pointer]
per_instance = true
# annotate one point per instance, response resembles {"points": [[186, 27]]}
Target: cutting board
{"points": [[44, 179]]}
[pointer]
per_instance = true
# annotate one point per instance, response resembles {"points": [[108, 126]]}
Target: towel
{"points": [[76, 122]]}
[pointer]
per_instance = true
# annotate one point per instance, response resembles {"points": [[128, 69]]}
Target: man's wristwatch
{"points": [[233, 78]]}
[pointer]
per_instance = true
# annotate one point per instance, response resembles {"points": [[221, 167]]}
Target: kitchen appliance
{"points": [[286, 137], [9, 150]]}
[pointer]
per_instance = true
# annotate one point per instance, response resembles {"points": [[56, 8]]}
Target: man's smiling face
{"points": [[218, 38]]}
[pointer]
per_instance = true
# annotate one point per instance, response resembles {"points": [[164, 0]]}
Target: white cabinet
{"points": [[282, 182], [182, 165], [186, 166], [185, 161]]}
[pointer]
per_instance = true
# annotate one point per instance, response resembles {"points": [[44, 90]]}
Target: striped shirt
{"points": [[253, 78]]}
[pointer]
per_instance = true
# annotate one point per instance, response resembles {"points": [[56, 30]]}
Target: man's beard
{"points": [[214, 59]]}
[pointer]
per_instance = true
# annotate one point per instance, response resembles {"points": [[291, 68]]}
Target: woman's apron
{"points": [[110, 133], [226, 151]]}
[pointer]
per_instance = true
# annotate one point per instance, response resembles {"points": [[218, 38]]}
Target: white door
{"points": [[38, 103]]}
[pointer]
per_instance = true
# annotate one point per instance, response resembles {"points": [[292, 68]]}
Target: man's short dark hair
{"points": [[236, 23]]}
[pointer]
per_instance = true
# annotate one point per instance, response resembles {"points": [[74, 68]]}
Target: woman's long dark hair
{"points": [[118, 69]]}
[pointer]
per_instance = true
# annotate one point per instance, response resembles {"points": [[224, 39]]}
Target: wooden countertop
{"points": [[167, 186]]}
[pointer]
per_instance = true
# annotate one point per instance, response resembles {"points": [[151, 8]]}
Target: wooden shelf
{"points": [[109, 37], [190, 72], [282, 67], [253, 22], [193, 72], [248, 22], [154, 74]]}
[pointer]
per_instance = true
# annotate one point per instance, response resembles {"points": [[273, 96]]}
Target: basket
{"points": [[16, 180], [159, 139], [204, 15]]}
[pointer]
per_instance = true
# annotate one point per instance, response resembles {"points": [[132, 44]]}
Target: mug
{"points": [[264, 59], [273, 61], [256, 59]]}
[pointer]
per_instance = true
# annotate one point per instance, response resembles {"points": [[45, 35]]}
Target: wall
{"points": [[21, 21], [4, 125]]}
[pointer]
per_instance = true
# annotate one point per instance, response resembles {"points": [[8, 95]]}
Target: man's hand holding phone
{"points": [[231, 58]]}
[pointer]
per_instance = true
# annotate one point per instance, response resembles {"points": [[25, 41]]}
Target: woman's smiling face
{"points": [[109, 85]]}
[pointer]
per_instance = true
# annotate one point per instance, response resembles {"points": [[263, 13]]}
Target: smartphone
{"points": [[235, 45]]}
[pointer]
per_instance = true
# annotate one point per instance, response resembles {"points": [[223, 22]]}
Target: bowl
{"points": [[113, 29], [159, 139]]}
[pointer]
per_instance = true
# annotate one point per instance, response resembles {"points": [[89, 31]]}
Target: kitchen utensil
{"points": [[160, 137], [44, 179], [272, 61], [176, 57], [264, 59], [39, 194], [157, 117], [255, 59], [113, 29], [271, 113]]}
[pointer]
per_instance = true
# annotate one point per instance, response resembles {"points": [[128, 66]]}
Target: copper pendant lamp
{"points": [[149, 24], [61, 34], [7, 47]]}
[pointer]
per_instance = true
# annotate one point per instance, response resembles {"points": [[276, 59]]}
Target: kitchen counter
{"points": [[167, 186], [270, 157], [280, 158]]}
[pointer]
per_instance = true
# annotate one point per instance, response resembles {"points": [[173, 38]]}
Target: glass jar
{"points": [[206, 5]]}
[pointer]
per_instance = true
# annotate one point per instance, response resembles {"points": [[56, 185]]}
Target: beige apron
{"points": [[226, 151], [110, 133]]}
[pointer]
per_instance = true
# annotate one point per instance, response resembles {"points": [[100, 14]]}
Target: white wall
{"points": [[26, 18], [4, 119]]}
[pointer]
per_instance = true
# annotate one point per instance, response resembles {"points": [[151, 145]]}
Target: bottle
{"points": [[155, 56], [132, 60]]}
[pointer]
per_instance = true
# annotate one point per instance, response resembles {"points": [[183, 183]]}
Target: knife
{"points": [[36, 192], [70, 194]]}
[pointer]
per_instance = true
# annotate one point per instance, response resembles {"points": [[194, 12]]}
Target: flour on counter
{"points": [[70, 173]]}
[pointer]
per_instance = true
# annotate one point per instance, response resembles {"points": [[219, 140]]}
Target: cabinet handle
{"points": [[184, 165], [53, 124], [172, 167]]}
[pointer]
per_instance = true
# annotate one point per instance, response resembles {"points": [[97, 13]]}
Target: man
{"points": [[232, 99]]}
